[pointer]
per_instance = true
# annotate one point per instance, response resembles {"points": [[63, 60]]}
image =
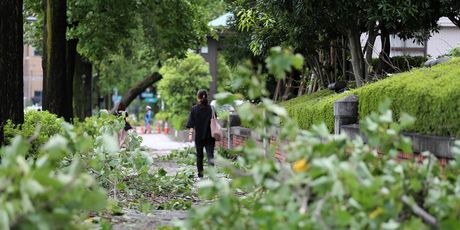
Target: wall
{"points": [[439, 44], [239, 135], [33, 72]]}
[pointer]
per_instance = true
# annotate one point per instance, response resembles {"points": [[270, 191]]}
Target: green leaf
{"points": [[386, 117], [390, 225], [406, 120], [94, 200], [297, 61], [32, 187], [4, 221], [110, 143], [56, 144]]}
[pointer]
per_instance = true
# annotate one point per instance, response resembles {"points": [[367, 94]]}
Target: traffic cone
{"points": [[142, 130], [158, 127], [166, 128]]}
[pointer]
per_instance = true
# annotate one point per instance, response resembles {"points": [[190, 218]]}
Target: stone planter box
{"points": [[439, 146]]}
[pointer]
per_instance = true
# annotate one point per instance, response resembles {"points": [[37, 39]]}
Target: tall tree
{"points": [[316, 27], [11, 63], [55, 78], [98, 29], [82, 88]]}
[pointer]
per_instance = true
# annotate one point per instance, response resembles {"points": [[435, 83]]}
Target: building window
{"points": [[37, 53]]}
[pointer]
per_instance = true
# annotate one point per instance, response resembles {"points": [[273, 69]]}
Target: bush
{"points": [[455, 52], [402, 63], [162, 116], [179, 122], [49, 124], [313, 109], [431, 95]]}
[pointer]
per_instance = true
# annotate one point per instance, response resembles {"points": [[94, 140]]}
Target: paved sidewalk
{"points": [[162, 144]]}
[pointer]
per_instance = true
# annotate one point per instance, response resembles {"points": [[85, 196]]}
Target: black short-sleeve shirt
{"points": [[200, 120]]}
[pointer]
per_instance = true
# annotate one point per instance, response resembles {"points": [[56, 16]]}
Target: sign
{"points": [[116, 99], [146, 95], [151, 100]]}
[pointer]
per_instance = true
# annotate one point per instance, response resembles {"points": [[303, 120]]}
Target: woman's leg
{"points": [[199, 158], [210, 152]]}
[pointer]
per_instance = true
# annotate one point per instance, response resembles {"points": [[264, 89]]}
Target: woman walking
{"points": [[121, 111], [200, 121]]}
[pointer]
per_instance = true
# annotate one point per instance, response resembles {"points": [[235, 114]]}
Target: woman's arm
{"points": [[190, 135]]}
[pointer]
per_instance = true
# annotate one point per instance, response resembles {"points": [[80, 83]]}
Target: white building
{"points": [[439, 44]]}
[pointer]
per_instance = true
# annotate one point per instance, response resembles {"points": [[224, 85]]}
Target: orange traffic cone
{"points": [[158, 127], [142, 130], [166, 128]]}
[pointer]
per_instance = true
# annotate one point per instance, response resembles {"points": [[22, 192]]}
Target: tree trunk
{"points": [[82, 83], [55, 99], [96, 94], [344, 59], [384, 56], [369, 50], [71, 56], [288, 88], [357, 58], [277, 90], [138, 88], [303, 81], [11, 64], [107, 101]]}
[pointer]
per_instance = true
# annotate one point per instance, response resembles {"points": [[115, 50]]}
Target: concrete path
{"points": [[162, 144]]}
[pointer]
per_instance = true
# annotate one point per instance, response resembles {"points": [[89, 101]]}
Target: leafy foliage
{"points": [[329, 181], [181, 80], [224, 75], [39, 126], [49, 191], [455, 52]]}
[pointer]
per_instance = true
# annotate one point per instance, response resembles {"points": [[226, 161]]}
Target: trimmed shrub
{"points": [[49, 124], [432, 95], [307, 97], [314, 109]]}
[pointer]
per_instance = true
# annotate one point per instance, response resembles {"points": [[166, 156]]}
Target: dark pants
{"points": [[209, 146]]}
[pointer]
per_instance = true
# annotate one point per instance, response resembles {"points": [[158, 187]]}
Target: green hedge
{"points": [[432, 95], [313, 109]]}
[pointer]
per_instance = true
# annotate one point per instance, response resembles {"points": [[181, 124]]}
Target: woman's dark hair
{"points": [[202, 96], [121, 106]]}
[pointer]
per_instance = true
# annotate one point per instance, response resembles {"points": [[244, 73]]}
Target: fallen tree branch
{"points": [[317, 212], [138, 88], [420, 212]]}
